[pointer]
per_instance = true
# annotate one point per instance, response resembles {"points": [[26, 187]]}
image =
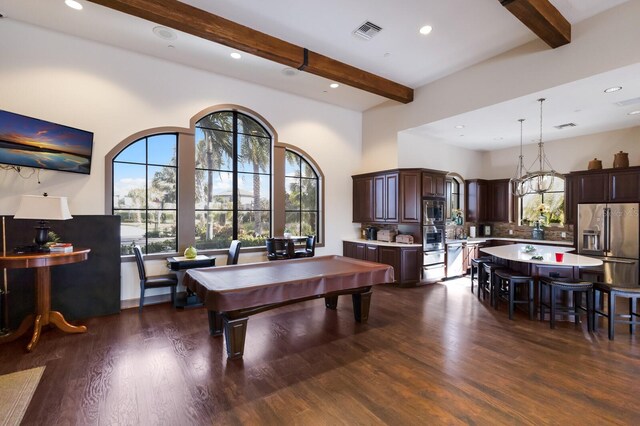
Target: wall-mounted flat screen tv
{"points": [[29, 142]]}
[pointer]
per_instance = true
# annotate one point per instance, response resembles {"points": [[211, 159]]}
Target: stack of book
{"points": [[61, 248]]}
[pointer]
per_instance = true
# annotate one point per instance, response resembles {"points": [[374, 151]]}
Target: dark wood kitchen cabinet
{"points": [[476, 202], [363, 197], [410, 200], [406, 261], [392, 196], [433, 184], [600, 186], [498, 198], [385, 199], [488, 200]]}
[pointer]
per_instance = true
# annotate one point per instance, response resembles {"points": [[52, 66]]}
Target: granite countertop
{"points": [[517, 240], [379, 243]]}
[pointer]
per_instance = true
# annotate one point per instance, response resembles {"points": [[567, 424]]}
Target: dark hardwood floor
{"points": [[428, 355]]}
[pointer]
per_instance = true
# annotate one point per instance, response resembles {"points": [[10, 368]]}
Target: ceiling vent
{"points": [[367, 30], [565, 125], [628, 102]]}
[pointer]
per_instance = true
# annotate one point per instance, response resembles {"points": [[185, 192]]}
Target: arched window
{"points": [[233, 180], [549, 204], [302, 191], [145, 193], [223, 178]]}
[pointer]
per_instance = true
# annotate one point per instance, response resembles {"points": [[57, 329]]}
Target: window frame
{"points": [[300, 178]]}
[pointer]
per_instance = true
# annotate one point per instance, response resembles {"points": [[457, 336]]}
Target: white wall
{"points": [[432, 153], [115, 93], [566, 155], [599, 44]]}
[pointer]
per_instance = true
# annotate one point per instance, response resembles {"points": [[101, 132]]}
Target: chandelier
{"points": [[519, 183], [538, 181]]}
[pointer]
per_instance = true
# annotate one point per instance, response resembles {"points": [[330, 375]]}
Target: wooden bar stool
{"points": [[476, 264], [576, 288], [486, 280], [506, 283], [631, 292]]}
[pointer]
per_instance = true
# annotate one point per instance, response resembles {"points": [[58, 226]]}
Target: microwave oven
{"points": [[433, 211]]}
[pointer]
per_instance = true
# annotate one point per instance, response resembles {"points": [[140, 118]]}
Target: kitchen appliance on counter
{"points": [[404, 239], [386, 235], [370, 233], [610, 232], [433, 211], [433, 253]]}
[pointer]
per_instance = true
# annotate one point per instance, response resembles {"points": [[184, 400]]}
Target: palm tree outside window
{"points": [[301, 195], [233, 181]]}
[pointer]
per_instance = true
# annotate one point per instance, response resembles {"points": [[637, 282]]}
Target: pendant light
{"points": [[519, 183], [540, 181]]}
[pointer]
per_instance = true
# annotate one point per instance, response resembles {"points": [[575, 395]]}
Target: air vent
{"points": [[565, 125], [367, 30], [628, 102]]}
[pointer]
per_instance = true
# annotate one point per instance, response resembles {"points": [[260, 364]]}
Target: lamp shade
{"points": [[43, 207]]}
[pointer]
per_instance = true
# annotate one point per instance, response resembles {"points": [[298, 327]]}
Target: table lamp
{"points": [[43, 208]]}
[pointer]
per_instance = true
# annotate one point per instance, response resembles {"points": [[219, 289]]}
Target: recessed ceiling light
{"points": [[164, 33], [426, 29], [73, 4], [634, 112], [290, 72], [612, 89], [460, 126], [235, 55], [334, 85]]}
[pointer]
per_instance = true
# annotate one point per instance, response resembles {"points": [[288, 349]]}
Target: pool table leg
{"points": [[331, 302], [215, 323], [235, 331], [361, 302]]}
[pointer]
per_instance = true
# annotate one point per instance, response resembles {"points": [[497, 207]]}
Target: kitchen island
{"points": [[521, 258]]}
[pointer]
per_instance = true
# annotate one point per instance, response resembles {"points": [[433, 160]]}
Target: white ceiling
{"points": [[465, 32]]}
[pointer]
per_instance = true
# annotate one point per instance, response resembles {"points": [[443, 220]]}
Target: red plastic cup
{"points": [[559, 257]]}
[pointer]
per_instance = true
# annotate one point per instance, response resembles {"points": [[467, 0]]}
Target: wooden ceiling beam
{"points": [[200, 23], [543, 19]]}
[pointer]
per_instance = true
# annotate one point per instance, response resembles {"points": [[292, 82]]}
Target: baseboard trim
{"points": [[148, 300]]}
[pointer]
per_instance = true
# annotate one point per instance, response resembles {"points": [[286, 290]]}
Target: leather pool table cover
{"points": [[229, 288]]}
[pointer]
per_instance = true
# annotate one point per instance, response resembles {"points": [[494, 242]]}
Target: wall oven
{"points": [[433, 211], [433, 260]]}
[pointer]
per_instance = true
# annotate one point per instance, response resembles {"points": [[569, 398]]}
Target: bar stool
{"points": [[506, 282], [632, 292], [486, 280], [576, 288], [476, 264]]}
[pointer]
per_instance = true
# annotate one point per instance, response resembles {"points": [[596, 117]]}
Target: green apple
{"points": [[190, 252]]}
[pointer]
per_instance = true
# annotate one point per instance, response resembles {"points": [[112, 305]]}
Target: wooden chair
{"points": [[234, 252], [279, 249], [310, 248], [156, 281]]}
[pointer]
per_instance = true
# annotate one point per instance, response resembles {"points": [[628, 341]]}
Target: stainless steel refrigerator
{"points": [[610, 232]]}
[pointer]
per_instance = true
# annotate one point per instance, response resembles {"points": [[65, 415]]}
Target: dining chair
{"points": [[279, 248], [234, 252], [155, 281], [310, 248]]}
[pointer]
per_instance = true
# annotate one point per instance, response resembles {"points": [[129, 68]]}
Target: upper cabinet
{"points": [[393, 196], [363, 198], [620, 185], [385, 199], [487, 200], [433, 184], [606, 185]]}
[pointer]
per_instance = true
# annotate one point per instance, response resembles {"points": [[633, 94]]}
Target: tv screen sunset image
{"points": [[29, 142]]}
